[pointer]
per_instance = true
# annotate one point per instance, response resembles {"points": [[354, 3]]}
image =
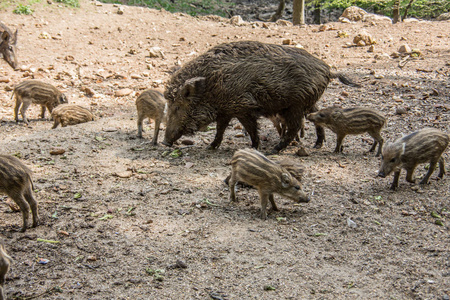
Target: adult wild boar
{"points": [[246, 80]]}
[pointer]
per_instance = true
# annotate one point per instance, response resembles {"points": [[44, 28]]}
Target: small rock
{"points": [[400, 111], [125, 174], [135, 76], [365, 37], [351, 223], [4, 79], [110, 129], [123, 92], [301, 152], [342, 34], [282, 22], [404, 49], [237, 20], [344, 20], [377, 76], [91, 258], [371, 48], [45, 36], [156, 52], [323, 27], [57, 151], [287, 42], [88, 91], [240, 134], [120, 10], [187, 142], [180, 264], [69, 58], [344, 93], [353, 13]]}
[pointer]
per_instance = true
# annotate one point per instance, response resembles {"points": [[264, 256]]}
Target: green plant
{"points": [[418, 9], [72, 3], [191, 7], [23, 10]]}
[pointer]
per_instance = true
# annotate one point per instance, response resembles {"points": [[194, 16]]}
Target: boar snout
{"points": [[381, 174], [166, 143]]}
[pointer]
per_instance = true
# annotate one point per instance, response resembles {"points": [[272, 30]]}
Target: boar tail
{"points": [[342, 78]]}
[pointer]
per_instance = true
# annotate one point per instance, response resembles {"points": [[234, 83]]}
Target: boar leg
{"points": [[42, 111], [377, 139], [431, 169], [409, 173], [24, 207], [272, 201], [16, 108], [140, 119], [264, 200], [23, 109], [33, 204], [320, 131], [250, 124], [232, 185], [441, 167], [394, 184], [156, 131], [56, 123], [340, 138], [222, 123]]}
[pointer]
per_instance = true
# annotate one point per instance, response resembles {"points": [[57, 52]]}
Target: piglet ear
{"points": [[15, 36], [285, 180], [193, 87]]}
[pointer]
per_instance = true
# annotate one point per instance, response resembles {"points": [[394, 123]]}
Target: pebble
{"points": [[301, 152], [123, 92], [400, 111], [57, 151]]}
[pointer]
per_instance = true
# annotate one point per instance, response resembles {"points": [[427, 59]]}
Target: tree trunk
{"points": [[279, 13], [396, 12], [298, 14], [406, 9]]}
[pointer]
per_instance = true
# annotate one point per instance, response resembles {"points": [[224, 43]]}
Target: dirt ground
{"points": [[134, 222]]}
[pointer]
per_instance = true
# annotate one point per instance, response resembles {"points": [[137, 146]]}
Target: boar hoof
{"points": [[318, 145], [167, 144]]}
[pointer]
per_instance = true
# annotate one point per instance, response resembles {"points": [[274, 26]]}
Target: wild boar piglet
{"points": [[251, 167], [426, 145], [37, 92], [5, 262], [70, 114], [16, 182], [152, 105], [355, 120]]}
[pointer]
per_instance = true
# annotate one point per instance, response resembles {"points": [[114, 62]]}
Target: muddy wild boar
{"points": [[16, 182], [246, 80], [150, 104], [5, 262], [355, 120], [251, 167], [38, 92], [8, 44], [70, 114], [426, 145]]}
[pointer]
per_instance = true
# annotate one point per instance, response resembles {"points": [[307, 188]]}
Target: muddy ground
{"points": [[134, 222]]}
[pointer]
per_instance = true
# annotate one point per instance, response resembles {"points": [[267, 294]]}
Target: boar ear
{"points": [[193, 86], [285, 180]]}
